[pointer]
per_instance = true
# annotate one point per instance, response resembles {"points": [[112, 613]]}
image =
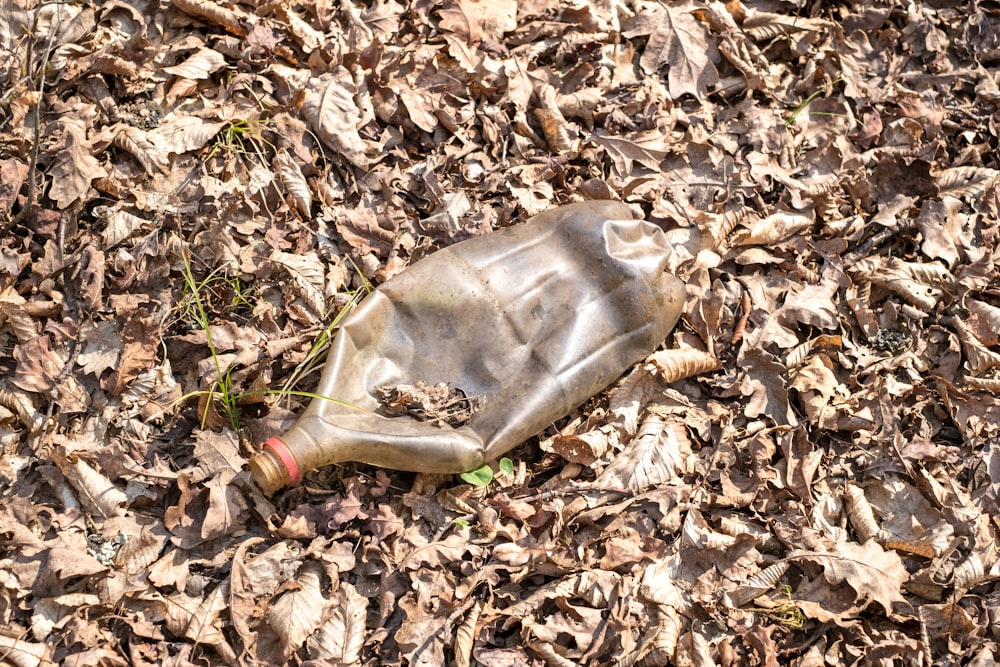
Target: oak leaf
{"points": [[875, 575]]}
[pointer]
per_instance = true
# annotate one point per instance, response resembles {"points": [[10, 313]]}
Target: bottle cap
{"points": [[274, 467]]}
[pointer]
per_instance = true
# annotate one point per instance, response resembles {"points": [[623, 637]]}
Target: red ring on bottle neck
{"points": [[281, 451]]}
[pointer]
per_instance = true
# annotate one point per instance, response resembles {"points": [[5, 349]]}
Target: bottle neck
{"points": [[274, 467]]}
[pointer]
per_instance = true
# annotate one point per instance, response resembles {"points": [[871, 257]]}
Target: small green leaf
{"points": [[506, 466], [478, 477], [461, 522]]}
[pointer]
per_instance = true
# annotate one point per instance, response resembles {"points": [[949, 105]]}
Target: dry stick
{"points": [[875, 241], [70, 307], [37, 139], [576, 488]]}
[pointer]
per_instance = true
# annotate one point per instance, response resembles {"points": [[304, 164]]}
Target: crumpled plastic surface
{"points": [[529, 321]]}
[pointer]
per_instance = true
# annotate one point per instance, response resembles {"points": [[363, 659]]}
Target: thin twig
{"points": [[37, 139]]}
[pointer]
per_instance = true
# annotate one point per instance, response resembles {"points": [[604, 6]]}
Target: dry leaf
{"points": [[677, 39], [775, 228], [12, 313], [22, 653], [74, 166], [330, 108], [199, 619], [875, 575], [97, 493], [294, 182], [465, 636], [135, 142], [199, 65], [306, 291], [475, 20], [296, 614], [673, 365], [656, 456], [339, 640], [179, 134]]}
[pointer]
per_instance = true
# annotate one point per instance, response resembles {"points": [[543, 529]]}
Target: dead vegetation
{"points": [[807, 475]]}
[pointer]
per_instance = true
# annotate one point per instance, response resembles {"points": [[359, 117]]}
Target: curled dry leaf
{"points": [[968, 574], [595, 587], [12, 313], [978, 359], [97, 493], [554, 125], [673, 365], [299, 612], [763, 539], [799, 353], [985, 321], [52, 613], [860, 514], [294, 182], [330, 108], [991, 385], [179, 134], [764, 26], [199, 619], [199, 65], [305, 293], [661, 582], [580, 104], [465, 636], [233, 18], [140, 551], [757, 585], [668, 632], [654, 457], [920, 284], [582, 448], [697, 534], [20, 403], [964, 182], [134, 141], [339, 640], [774, 228], [308, 37], [552, 654]]}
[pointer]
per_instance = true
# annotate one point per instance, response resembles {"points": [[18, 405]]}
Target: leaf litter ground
{"points": [[806, 474]]}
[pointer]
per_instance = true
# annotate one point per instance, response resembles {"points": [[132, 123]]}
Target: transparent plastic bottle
{"points": [[516, 328]]}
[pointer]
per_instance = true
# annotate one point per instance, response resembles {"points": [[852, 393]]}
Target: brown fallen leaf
{"points": [[675, 37], [297, 613], [330, 109], [341, 638], [874, 574], [74, 166], [656, 456], [199, 619]]}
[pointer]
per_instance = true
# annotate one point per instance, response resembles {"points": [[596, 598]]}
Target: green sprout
{"points": [[483, 475], [805, 103]]}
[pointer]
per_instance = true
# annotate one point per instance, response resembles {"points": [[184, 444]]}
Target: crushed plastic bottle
{"points": [[481, 345]]}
